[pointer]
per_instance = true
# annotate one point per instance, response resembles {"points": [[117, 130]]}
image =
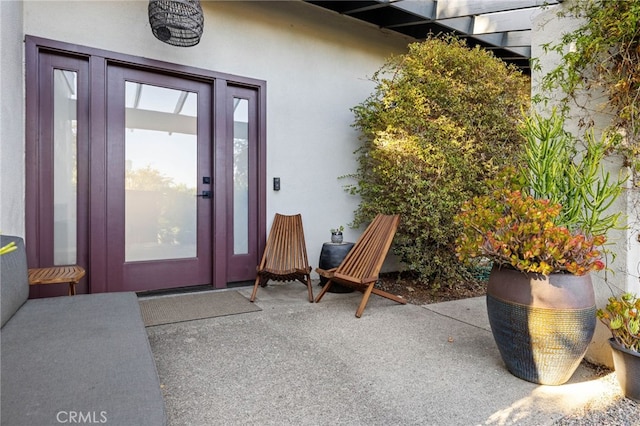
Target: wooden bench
{"points": [[57, 275]]}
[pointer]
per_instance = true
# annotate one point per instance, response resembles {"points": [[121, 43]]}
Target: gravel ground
{"points": [[611, 410]]}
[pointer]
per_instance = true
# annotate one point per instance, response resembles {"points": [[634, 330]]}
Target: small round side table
{"points": [[331, 256]]}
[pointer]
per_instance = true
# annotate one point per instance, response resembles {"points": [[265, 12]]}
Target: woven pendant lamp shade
{"points": [[176, 22]]}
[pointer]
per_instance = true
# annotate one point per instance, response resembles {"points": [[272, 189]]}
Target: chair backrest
{"points": [[286, 250], [363, 263]]}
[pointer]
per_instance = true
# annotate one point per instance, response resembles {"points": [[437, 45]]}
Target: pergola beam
{"points": [[494, 24]]}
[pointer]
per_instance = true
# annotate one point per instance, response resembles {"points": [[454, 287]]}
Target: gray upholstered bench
{"points": [[82, 359]]}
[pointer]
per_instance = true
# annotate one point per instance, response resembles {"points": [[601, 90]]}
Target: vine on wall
{"points": [[602, 56]]}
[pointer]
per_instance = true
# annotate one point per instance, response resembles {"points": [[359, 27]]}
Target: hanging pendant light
{"points": [[176, 22]]}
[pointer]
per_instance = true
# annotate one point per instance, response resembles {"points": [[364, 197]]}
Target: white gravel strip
{"points": [[611, 409]]}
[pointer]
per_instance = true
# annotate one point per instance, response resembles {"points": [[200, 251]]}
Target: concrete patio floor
{"points": [[301, 363]]}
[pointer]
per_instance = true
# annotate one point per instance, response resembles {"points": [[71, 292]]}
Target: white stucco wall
{"points": [[12, 166], [624, 261], [315, 63]]}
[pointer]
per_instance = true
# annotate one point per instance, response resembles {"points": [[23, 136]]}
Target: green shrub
{"points": [[442, 119]]}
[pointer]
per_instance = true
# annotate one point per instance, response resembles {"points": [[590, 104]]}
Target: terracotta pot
{"points": [[627, 365], [542, 325]]}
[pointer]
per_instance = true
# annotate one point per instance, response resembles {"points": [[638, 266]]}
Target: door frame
{"points": [[96, 238]]}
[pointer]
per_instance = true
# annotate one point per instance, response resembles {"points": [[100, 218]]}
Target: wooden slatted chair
{"points": [[285, 255], [361, 267]]}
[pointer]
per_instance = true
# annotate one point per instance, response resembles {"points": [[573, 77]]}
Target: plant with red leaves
{"points": [[520, 231]]}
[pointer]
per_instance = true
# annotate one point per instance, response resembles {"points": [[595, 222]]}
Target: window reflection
{"points": [[65, 170], [240, 176]]}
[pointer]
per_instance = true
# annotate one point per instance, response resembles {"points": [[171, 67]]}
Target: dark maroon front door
{"points": [[148, 174], [160, 180]]}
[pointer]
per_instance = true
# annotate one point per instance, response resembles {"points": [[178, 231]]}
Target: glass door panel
{"points": [[65, 170], [240, 176], [161, 159]]}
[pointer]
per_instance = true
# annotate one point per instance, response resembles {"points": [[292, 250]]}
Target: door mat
{"points": [[189, 307]]}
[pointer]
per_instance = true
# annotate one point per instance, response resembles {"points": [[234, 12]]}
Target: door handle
{"points": [[204, 194]]}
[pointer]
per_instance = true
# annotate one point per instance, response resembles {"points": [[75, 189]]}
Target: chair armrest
{"points": [[326, 273]]}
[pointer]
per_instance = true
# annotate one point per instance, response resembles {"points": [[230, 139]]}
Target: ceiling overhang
{"points": [[503, 26]]}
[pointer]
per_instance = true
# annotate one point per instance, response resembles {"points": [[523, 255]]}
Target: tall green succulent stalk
{"points": [[555, 169]]}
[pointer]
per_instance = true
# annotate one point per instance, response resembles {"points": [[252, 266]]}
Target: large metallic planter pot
{"points": [[542, 325], [627, 365]]}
